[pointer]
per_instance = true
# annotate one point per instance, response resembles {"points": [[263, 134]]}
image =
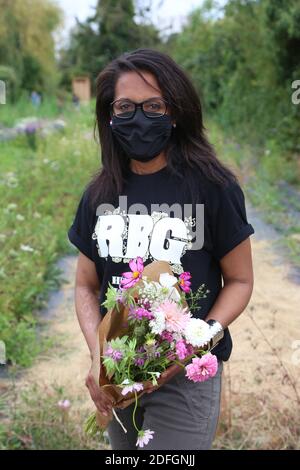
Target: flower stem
{"points": [[133, 415]]}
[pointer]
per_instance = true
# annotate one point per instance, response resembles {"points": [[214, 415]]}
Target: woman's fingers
{"points": [[102, 401]]}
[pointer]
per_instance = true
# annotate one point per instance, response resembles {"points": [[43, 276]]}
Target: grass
{"points": [[10, 113], [33, 420], [39, 193], [255, 424]]}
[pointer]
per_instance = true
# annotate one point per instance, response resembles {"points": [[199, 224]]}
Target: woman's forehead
{"points": [[131, 85]]}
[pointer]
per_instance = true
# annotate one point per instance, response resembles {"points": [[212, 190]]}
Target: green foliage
{"points": [[34, 421], [112, 30], [111, 298], [36, 221], [243, 60], [27, 45]]}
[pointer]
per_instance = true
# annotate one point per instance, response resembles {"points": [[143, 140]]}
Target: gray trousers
{"points": [[183, 415]]}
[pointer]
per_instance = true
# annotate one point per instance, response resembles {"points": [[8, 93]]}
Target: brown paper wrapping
{"points": [[113, 325]]}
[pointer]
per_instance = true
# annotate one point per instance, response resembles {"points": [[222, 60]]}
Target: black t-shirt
{"points": [[155, 219]]}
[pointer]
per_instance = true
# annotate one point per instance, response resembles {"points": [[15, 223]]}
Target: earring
{"points": [[110, 122], [174, 125]]}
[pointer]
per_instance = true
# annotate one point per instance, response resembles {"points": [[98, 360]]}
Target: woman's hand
{"points": [[102, 401], [165, 377]]}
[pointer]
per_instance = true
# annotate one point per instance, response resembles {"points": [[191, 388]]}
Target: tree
{"points": [[27, 43], [110, 31]]}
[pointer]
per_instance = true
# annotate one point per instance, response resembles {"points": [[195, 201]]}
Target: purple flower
{"points": [[139, 313], [139, 361], [117, 355], [166, 335], [114, 354]]}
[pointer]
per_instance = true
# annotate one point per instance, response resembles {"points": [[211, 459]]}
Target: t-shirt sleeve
{"points": [[229, 224], [80, 232]]}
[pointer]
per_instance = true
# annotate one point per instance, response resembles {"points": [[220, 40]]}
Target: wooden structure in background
{"points": [[81, 87]]}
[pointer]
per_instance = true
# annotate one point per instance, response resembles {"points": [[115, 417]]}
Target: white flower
{"points": [[197, 332], [130, 388], [158, 323], [20, 217], [26, 248], [144, 437], [166, 280]]}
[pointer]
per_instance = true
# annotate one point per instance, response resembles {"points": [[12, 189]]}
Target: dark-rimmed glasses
{"points": [[126, 109]]}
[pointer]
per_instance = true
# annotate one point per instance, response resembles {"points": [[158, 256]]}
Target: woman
{"points": [[156, 159]]}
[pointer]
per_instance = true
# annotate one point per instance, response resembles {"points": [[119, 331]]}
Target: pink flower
{"points": [[184, 281], [131, 387], [167, 336], [176, 317], [202, 368], [183, 349], [139, 313], [130, 278], [64, 404], [144, 437]]}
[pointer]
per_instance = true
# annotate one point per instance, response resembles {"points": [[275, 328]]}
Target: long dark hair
{"points": [[188, 149]]}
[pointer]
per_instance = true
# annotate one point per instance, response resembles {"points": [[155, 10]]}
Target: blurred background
{"points": [[244, 59]]}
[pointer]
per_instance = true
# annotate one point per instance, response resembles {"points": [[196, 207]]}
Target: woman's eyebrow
{"points": [[137, 102]]}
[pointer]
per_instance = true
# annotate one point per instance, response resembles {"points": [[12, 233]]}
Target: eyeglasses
{"points": [[126, 109]]}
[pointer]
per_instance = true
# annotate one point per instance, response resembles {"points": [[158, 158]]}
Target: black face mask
{"points": [[141, 137]]}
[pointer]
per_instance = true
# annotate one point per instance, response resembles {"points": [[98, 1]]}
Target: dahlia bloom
{"points": [[197, 332], [176, 317]]}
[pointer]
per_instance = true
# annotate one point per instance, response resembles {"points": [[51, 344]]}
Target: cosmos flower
{"points": [[184, 281], [130, 278]]}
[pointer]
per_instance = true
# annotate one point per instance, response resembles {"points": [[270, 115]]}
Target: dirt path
{"points": [[254, 372]]}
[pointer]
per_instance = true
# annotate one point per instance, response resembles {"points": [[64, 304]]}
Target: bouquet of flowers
{"points": [[147, 328]]}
